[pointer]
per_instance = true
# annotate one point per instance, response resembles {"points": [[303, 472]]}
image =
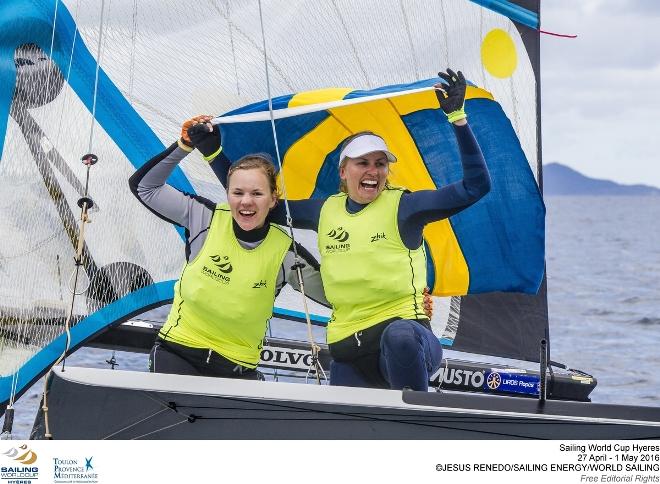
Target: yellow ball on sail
{"points": [[498, 54]]}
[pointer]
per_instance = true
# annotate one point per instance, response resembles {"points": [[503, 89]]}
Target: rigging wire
{"points": [[137, 422], [298, 265], [270, 333], [85, 204], [132, 63], [403, 418]]}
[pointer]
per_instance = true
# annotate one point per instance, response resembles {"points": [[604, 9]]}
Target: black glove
{"points": [[206, 139], [452, 100]]}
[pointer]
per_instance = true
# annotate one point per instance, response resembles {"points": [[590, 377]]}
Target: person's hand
{"points": [[198, 132], [428, 303], [451, 96], [188, 123]]}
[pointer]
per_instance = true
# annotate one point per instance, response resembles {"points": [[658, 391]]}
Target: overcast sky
{"points": [[601, 91]]}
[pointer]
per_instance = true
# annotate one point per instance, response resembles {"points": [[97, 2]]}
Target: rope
{"points": [[96, 85], [270, 333], [410, 40], [164, 409], [52, 41], [566, 36], [133, 42], [298, 265], [85, 204], [68, 77]]}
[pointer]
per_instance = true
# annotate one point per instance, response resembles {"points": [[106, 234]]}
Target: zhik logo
{"points": [[378, 236], [339, 234], [257, 285], [27, 456], [223, 263]]}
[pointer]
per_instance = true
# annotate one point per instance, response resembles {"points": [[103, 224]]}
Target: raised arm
{"points": [[422, 207], [149, 185]]}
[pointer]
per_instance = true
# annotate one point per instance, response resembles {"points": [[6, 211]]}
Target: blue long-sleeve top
{"points": [[416, 209]]}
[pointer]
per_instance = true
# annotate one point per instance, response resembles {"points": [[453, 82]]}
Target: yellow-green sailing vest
{"points": [[368, 274], [225, 295]]}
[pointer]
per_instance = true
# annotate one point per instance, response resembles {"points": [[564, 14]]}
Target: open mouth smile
{"points": [[247, 213], [369, 185]]}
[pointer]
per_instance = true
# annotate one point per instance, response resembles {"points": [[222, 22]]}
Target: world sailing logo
{"points": [[223, 263], [341, 236], [27, 456], [22, 455]]}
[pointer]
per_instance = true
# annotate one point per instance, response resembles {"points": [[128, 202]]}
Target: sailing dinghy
{"points": [[112, 82]]}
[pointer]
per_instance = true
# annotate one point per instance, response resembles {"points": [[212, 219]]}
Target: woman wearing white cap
{"points": [[373, 263]]}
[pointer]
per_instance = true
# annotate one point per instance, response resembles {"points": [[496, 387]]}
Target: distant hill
{"points": [[559, 179]]}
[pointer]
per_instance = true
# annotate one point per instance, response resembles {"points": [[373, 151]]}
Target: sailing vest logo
{"points": [[22, 455], [223, 263], [257, 285], [219, 272], [341, 236], [378, 236], [494, 381]]}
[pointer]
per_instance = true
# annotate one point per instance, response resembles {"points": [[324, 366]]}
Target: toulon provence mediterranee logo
{"points": [[341, 237]]}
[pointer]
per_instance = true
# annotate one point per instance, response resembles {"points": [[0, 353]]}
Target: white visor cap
{"points": [[365, 144]]}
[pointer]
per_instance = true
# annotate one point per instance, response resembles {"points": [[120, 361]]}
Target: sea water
{"points": [[603, 263]]}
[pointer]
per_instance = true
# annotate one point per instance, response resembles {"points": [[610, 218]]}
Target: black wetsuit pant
{"points": [[394, 354], [169, 357]]}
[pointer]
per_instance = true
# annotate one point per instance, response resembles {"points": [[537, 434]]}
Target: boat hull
{"points": [[86, 403]]}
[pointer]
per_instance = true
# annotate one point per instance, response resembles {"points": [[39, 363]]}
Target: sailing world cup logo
{"points": [[220, 270], [223, 263], [341, 237], [21, 467], [339, 234]]}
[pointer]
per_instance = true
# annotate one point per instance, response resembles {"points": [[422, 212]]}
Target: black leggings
{"points": [[169, 357]]}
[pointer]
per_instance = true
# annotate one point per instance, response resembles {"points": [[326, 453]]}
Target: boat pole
{"points": [[543, 365]]}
